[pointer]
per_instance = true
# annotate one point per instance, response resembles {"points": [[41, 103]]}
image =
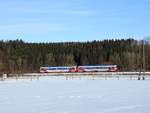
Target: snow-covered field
{"points": [[58, 95]]}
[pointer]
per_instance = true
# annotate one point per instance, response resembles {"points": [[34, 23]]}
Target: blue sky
{"points": [[73, 20]]}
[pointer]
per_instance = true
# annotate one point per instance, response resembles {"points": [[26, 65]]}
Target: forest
{"points": [[17, 56]]}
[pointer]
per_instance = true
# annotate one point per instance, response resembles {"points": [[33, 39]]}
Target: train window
{"points": [[61, 68]]}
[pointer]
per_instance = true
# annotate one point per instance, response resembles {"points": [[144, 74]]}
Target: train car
{"points": [[55, 69], [64, 69], [99, 68]]}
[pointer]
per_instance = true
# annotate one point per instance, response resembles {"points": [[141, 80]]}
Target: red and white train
{"points": [[92, 68]]}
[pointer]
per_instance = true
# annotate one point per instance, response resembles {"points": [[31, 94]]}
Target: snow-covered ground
{"points": [[58, 95]]}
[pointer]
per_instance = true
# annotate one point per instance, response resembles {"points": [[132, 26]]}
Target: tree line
{"points": [[17, 56]]}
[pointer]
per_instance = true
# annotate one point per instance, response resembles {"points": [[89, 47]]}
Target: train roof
{"points": [[79, 66], [98, 65]]}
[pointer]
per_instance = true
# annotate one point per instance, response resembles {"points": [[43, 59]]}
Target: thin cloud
{"points": [[36, 28], [80, 13]]}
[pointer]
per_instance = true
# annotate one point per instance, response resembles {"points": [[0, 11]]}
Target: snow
{"points": [[61, 95]]}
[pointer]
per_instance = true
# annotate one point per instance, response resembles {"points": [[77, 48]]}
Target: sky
{"points": [[73, 20]]}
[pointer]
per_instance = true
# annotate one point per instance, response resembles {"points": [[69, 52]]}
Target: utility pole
{"points": [[146, 39], [143, 47], [140, 62]]}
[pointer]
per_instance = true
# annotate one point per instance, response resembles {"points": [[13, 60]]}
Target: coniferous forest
{"points": [[17, 56]]}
